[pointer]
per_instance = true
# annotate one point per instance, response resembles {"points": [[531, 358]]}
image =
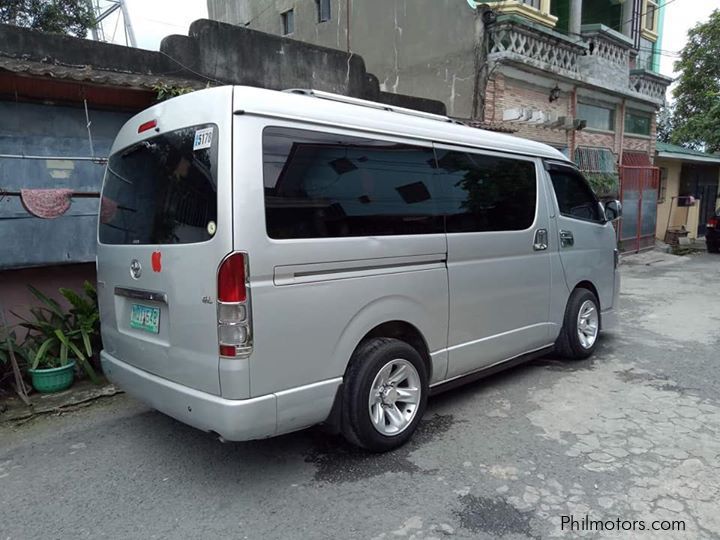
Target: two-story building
{"points": [[580, 75]]}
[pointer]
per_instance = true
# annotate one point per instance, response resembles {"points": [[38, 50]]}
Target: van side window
{"points": [[320, 185], [486, 193], [574, 196]]}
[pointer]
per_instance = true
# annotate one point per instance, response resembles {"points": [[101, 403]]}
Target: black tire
{"points": [[568, 342], [367, 361], [713, 248]]}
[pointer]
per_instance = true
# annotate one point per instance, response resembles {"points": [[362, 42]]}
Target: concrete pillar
{"points": [[627, 17], [575, 17]]}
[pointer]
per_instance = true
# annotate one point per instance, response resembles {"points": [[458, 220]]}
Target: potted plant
{"points": [[58, 340]]}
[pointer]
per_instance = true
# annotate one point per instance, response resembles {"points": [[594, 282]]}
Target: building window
{"points": [[597, 117], [535, 10], [650, 19], [288, 22], [638, 123], [323, 10], [662, 185]]}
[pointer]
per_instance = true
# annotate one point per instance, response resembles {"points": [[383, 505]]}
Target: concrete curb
{"points": [[79, 395]]}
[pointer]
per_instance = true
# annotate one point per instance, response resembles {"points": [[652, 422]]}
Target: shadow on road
{"points": [[327, 457]]}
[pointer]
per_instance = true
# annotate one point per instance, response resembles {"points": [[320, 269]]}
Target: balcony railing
{"points": [[601, 58], [607, 44], [513, 39], [649, 84]]}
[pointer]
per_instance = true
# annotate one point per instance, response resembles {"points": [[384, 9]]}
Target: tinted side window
{"points": [[486, 193], [322, 185], [574, 196]]}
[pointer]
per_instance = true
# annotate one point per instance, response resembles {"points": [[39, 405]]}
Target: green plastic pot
{"points": [[53, 379]]}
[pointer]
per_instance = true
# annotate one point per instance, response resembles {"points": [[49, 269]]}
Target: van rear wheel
{"points": [[384, 395], [581, 326]]}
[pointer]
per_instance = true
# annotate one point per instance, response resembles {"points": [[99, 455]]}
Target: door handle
{"points": [[541, 240], [566, 238]]}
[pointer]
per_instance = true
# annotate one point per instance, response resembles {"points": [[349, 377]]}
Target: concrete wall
{"points": [[679, 215], [15, 296], [400, 40], [51, 130]]}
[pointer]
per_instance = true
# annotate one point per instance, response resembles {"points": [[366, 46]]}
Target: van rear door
{"points": [[165, 224]]}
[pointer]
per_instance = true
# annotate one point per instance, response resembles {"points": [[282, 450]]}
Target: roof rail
{"points": [[371, 104]]}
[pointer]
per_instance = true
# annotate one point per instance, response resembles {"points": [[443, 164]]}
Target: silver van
{"points": [[270, 260]]}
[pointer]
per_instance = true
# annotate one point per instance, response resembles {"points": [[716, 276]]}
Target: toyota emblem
{"points": [[135, 269]]}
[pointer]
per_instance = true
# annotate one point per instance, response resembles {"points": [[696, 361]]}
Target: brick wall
{"points": [[639, 144], [596, 139], [505, 93]]}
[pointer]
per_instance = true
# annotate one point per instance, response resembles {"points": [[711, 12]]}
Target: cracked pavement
{"points": [[632, 433]]}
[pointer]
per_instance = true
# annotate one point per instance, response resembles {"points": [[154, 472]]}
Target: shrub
{"points": [[54, 335]]}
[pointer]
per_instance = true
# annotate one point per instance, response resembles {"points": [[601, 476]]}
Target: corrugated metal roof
{"points": [[89, 74], [674, 151]]}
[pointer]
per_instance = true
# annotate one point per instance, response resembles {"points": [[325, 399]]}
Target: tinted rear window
{"points": [[162, 190]]}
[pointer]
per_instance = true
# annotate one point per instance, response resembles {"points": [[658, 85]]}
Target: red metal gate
{"points": [[638, 193]]}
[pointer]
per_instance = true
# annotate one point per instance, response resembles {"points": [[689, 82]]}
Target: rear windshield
{"points": [[162, 190]]}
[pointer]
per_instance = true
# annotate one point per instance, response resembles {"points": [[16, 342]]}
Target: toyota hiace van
{"points": [[271, 260]]}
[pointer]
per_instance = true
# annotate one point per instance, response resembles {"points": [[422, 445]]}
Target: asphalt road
{"points": [[631, 434]]}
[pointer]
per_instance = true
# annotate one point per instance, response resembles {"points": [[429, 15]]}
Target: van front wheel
{"points": [[384, 395], [581, 326]]}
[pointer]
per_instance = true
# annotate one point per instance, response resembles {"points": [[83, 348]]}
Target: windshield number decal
{"points": [[203, 139]]}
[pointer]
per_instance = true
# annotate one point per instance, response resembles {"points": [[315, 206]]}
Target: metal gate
{"points": [[638, 193]]}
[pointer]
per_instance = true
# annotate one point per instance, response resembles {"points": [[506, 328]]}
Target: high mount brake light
{"points": [[147, 125]]}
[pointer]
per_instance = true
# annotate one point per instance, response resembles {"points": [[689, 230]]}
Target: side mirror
{"points": [[613, 210]]}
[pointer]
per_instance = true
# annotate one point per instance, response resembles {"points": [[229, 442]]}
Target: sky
{"points": [[152, 20], [681, 16]]}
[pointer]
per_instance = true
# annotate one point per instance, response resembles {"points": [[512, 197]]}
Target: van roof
{"points": [[338, 111]]}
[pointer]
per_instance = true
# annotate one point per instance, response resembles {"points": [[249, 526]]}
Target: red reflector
{"points": [[147, 125], [714, 222], [231, 279], [227, 350]]}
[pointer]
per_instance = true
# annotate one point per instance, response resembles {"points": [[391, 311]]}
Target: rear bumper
{"points": [[233, 419]]}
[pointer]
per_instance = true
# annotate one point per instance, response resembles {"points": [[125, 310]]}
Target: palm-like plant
{"points": [[54, 334]]}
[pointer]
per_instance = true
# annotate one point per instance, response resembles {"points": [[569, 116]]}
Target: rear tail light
{"points": [[233, 311], [714, 223]]}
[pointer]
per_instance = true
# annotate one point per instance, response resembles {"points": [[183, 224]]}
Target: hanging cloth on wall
{"points": [[46, 203]]}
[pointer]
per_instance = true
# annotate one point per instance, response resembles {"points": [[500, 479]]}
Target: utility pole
{"points": [[128, 24], [103, 11]]}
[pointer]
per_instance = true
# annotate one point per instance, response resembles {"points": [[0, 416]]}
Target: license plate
{"points": [[145, 318]]}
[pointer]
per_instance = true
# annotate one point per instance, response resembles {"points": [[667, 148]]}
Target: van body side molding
{"points": [[327, 271], [444, 386]]}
